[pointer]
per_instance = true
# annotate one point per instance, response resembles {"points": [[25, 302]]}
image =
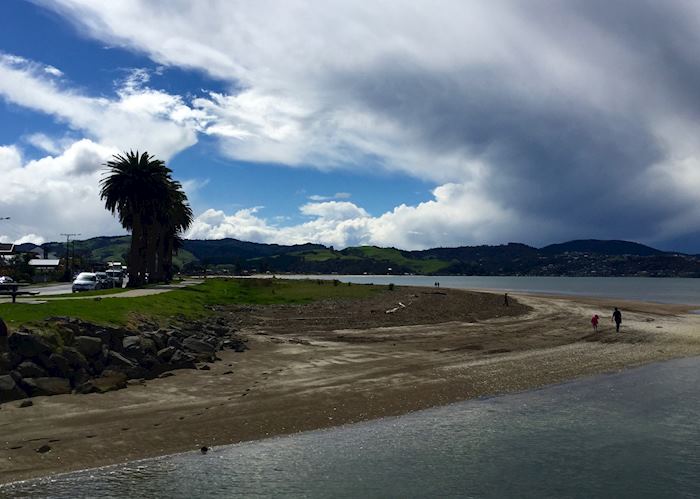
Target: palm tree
{"points": [[178, 220], [137, 188]]}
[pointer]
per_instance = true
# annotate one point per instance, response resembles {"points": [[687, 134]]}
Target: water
{"points": [[632, 434], [655, 289]]}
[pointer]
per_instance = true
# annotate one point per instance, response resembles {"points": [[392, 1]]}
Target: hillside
{"points": [[573, 258]]}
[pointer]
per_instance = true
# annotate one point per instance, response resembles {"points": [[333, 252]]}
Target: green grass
{"points": [[420, 266], [191, 302]]}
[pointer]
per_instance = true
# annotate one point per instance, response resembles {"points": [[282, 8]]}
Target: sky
{"points": [[405, 123]]}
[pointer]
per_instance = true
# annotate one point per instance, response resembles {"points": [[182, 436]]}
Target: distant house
{"points": [[7, 251], [43, 267]]}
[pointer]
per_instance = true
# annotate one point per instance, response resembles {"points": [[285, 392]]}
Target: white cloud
{"points": [[337, 195], [137, 118], [53, 71], [44, 142], [54, 194], [456, 215]]}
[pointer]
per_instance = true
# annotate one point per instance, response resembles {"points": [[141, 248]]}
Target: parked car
{"points": [[86, 281], [6, 279], [104, 280], [117, 276]]}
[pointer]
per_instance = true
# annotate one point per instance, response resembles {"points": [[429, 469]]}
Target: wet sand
{"points": [[327, 364]]}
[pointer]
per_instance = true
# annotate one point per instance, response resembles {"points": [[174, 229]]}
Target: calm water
{"points": [[634, 434], [662, 290]]}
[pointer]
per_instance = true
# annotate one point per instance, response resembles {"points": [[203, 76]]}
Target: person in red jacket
{"points": [[594, 322]]}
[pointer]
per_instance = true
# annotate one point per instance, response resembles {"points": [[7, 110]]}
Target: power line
{"points": [[69, 267]]}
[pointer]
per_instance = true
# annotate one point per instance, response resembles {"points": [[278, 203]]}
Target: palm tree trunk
{"points": [[134, 253]]}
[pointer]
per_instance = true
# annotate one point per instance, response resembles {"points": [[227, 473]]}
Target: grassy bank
{"points": [[191, 302]]}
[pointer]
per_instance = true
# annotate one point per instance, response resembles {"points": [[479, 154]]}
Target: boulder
{"points": [[198, 346], [9, 390], [131, 342], [29, 369], [3, 336], [109, 381], [159, 338], [46, 386], [5, 363], [175, 343], [28, 344], [88, 346], [182, 360], [59, 366], [118, 360], [75, 359], [165, 354]]}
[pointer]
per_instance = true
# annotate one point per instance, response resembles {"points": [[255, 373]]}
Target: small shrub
{"points": [[336, 282], [391, 286]]}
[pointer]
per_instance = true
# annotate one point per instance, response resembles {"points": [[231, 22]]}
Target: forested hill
{"points": [[573, 258]]}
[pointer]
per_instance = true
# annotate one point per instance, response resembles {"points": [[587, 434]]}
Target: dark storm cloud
{"points": [[554, 156]]}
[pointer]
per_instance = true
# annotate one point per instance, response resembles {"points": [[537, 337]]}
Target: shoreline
{"points": [[309, 379]]}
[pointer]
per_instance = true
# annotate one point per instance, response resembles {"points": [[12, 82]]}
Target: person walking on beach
{"points": [[617, 318], [594, 323], [505, 300]]}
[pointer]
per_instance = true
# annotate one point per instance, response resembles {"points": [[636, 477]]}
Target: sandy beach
{"points": [[330, 363]]}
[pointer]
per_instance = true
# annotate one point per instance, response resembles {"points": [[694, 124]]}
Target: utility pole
{"points": [[69, 266]]}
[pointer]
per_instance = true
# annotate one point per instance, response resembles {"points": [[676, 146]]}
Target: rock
{"points": [[28, 369], [5, 363], [204, 367], [59, 366], [198, 346], [3, 336], [43, 449], [75, 359], [166, 353], [28, 345], [117, 359], [149, 346], [46, 386], [159, 338], [109, 381], [182, 360], [88, 346], [78, 377], [131, 342], [175, 343], [9, 390], [166, 375], [26, 403]]}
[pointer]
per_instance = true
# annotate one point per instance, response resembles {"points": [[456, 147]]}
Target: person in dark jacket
{"points": [[617, 318]]}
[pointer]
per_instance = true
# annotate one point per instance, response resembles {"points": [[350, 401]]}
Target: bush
{"points": [[391, 286]]}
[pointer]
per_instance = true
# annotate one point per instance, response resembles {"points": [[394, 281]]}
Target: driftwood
{"points": [[395, 309]]}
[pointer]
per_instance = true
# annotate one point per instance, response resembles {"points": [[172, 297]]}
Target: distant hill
{"points": [[601, 247], [589, 257]]}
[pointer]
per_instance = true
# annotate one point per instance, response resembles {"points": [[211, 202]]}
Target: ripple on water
{"points": [[633, 434]]}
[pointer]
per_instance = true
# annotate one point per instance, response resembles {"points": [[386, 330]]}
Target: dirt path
{"points": [[326, 364]]}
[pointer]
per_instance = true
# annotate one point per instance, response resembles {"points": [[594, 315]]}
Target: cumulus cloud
{"points": [[137, 117], [54, 194], [537, 121], [337, 195]]}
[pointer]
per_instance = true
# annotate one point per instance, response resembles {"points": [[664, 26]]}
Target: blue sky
{"points": [[396, 124]]}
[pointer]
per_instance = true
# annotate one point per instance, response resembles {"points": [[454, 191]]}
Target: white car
{"points": [[86, 281], [5, 279]]}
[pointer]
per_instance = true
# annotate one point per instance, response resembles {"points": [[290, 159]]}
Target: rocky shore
{"points": [[65, 355]]}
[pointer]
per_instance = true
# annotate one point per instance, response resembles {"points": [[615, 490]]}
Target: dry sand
{"points": [[331, 363]]}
